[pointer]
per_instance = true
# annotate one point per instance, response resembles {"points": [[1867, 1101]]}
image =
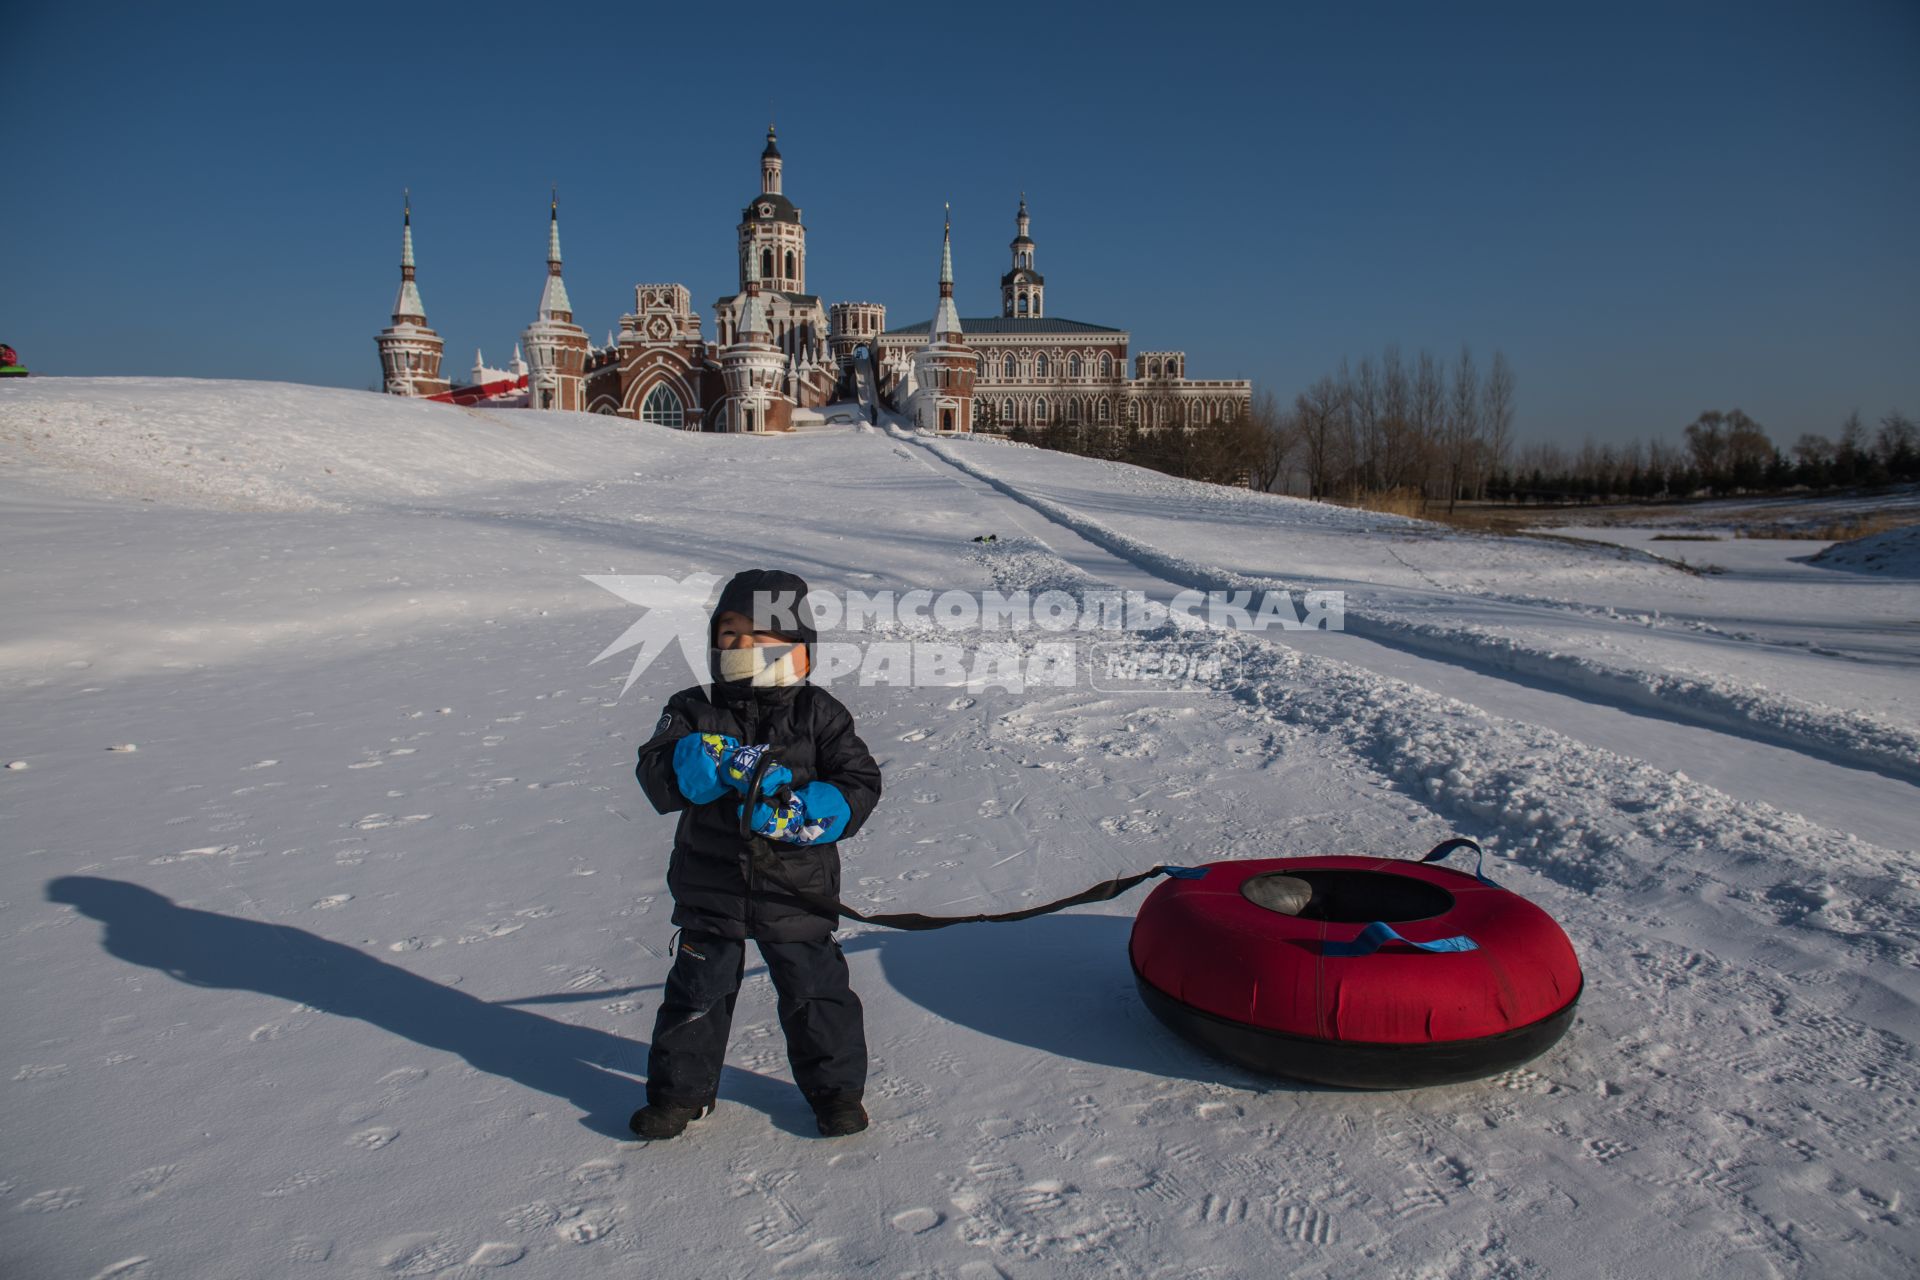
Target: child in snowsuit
{"points": [[820, 785]]}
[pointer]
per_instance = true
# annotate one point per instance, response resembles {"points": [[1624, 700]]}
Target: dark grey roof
{"points": [[1023, 275], [1018, 240], [783, 210], [798, 299], [1012, 325]]}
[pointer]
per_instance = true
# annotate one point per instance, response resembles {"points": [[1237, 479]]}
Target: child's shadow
{"points": [[581, 1064], [1060, 984]]}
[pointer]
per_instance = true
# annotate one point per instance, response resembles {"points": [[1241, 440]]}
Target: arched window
{"points": [[1006, 408], [1106, 365], [1040, 409], [766, 264], [790, 270], [1073, 411], [1105, 410], [663, 408], [1074, 367], [1011, 369], [1022, 305], [1041, 365], [1153, 369]]}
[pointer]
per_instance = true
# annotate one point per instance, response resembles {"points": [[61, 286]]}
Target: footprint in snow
{"points": [[915, 1222], [373, 1139]]}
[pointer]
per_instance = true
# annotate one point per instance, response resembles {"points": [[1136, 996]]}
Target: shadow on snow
{"points": [[590, 1068]]}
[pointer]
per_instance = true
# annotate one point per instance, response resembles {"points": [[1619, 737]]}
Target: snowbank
{"points": [[268, 446], [1893, 554]]}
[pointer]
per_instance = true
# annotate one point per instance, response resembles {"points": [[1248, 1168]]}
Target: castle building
{"points": [[777, 352], [1033, 371], [410, 352]]}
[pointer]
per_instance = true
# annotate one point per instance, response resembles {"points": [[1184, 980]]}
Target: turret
{"points": [[944, 371], [410, 352], [755, 371], [556, 346]]}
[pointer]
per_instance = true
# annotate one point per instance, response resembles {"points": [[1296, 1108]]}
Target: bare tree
{"points": [[1496, 410], [1321, 414], [1362, 421], [1463, 442], [1427, 422], [1270, 439], [1393, 424]]}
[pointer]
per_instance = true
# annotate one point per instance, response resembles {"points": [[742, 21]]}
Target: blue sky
{"points": [[1653, 210]]}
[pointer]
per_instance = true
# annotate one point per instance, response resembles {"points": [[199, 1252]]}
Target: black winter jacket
{"points": [[708, 874]]}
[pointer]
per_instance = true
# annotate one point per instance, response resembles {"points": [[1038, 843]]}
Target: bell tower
{"points": [[771, 232], [1023, 290]]}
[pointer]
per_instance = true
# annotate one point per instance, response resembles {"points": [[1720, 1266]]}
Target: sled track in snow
{"points": [[1847, 739]]}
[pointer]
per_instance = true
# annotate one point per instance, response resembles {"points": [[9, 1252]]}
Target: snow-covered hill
{"points": [[349, 967]]}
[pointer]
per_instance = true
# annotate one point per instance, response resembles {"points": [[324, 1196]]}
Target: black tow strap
{"points": [[768, 865]]}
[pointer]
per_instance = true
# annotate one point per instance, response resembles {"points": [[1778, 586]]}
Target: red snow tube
{"points": [[1372, 973]]}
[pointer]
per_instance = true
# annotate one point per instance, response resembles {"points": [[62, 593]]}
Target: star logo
{"points": [[676, 612]]}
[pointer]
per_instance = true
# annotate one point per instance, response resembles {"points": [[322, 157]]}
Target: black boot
{"points": [[656, 1122], [839, 1115]]}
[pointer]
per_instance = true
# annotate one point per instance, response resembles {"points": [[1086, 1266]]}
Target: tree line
{"points": [[1389, 425], [1718, 453], [1439, 431], [1246, 448], [1436, 430]]}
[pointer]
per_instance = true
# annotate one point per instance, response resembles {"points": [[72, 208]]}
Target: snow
{"points": [[349, 969], [1895, 553]]}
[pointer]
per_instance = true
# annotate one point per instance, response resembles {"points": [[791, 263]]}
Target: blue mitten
{"points": [[815, 814], [737, 768], [697, 761]]}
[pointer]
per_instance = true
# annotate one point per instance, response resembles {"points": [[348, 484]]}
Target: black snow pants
{"points": [[826, 1036]]}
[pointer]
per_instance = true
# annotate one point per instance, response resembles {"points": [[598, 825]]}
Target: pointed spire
{"points": [[406, 229], [753, 312], [407, 307], [554, 303], [946, 319], [946, 256]]}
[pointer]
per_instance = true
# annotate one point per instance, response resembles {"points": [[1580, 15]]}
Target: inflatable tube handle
{"points": [[1440, 851], [1380, 933]]}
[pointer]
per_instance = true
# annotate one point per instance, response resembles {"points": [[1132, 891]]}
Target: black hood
{"points": [[785, 592]]}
